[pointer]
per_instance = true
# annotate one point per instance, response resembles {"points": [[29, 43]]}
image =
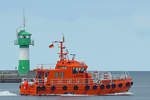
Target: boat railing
{"points": [[71, 81], [96, 78], [109, 75], [30, 81], [45, 66], [59, 81]]}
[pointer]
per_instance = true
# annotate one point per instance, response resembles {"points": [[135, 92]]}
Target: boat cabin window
{"points": [[56, 74], [75, 70], [65, 67], [58, 66], [40, 74], [62, 67], [46, 74], [61, 74]]}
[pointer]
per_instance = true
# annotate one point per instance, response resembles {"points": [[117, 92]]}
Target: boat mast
{"points": [[62, 55], [61, 49]]}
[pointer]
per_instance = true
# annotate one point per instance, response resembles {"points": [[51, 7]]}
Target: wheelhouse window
{"points": [[56, 74], [82, 70], [28, 37], [75, 70]]}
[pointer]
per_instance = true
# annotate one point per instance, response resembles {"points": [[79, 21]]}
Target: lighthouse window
{"points": [[56, 74], [27, 36], [58, 66], [20, 36]]}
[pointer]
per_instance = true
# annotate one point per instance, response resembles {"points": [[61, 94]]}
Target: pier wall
{"points": [[12, 76]]}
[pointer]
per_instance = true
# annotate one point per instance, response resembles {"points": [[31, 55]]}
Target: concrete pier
{"points": [[12, 76]]}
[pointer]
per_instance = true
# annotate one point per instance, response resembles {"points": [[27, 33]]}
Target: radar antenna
{"points": [[24, 20], [63, 54]]}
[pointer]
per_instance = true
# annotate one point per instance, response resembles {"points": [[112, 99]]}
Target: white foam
{"points": [[72, 95], [7, 93], [122, 93]]}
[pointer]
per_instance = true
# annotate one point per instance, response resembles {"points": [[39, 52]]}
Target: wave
{"points": [[73, 95], [113, 94], [121, 94], [7, 93]]}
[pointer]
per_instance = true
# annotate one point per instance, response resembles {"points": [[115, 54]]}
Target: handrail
{"points": [[96, 79]]}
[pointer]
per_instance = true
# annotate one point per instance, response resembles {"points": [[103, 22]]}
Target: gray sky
{"points": [[105, 34]]}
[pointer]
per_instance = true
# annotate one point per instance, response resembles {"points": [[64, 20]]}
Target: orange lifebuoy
{"points": [[26, 83]]}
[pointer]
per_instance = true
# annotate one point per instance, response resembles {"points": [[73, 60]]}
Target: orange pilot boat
{"points": [[71, 77]]}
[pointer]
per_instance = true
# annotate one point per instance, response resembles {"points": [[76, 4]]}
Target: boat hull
{"points": [[87, 89]]}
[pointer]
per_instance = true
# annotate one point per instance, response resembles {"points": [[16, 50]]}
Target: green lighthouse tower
{"points": [[24, 41]]}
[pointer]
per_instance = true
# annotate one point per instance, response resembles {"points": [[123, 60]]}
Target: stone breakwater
{"points": [[12, 76]]}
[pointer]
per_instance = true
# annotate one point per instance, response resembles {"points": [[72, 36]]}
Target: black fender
{"points": [[76, 87], [113, 85], [87, 87], [120, 85], [94, 87], [53, 88], [64, 87], [102, 86], [108, 86]]}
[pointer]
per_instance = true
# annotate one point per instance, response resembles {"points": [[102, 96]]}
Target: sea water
{"points": [[139, 91]]}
